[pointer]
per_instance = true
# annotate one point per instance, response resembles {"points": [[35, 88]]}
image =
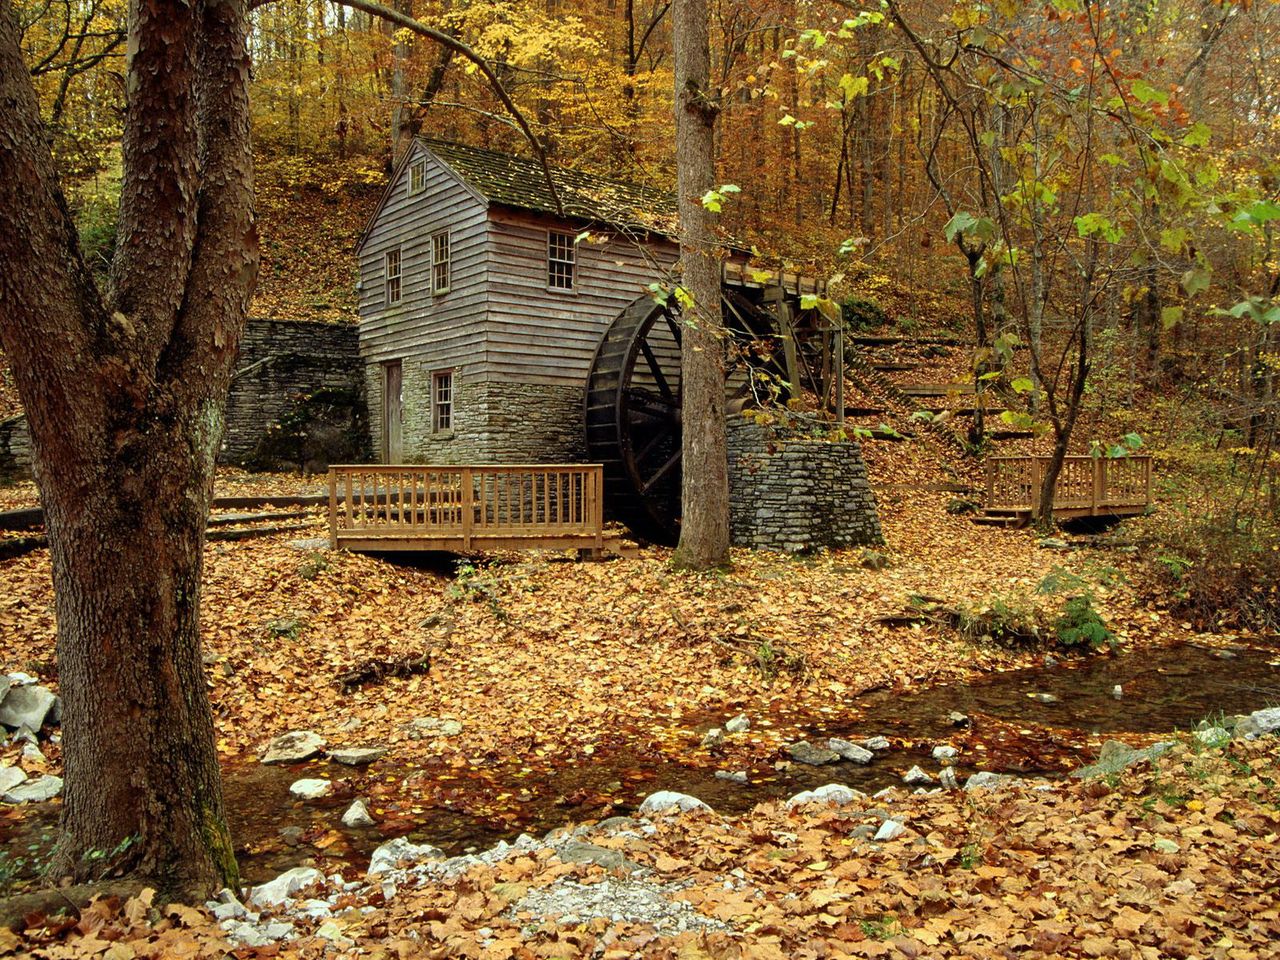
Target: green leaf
{"points": [[1195, 280], [808, 301], [1146, 93], [854, 87], [1023, 385], [1174, 239], [990, 375], [1096, 225], [962, 222], [1197, 136], [711, 200], [1170, 317]]}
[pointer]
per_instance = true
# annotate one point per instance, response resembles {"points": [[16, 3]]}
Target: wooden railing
{"points": [[1086, 485], [461, 507]]}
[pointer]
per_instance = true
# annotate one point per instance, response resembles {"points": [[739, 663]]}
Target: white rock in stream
{"points": [[878, 744], [294, 747], [10, 777], [284, 887], [850, 751], [945, 752], [739, 724], [916, 776], [669, 801], [832, 793], [357, 815], [311, 789]]}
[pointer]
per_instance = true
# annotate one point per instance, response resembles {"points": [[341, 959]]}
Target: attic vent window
{"points": [[561, 260], [417, 176], [440, 262], [392, 275]]}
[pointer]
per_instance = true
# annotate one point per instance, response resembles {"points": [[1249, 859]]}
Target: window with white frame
{"points": [[440, 262], [442, 401], [417, 176], [561, 260], [391, 274]]}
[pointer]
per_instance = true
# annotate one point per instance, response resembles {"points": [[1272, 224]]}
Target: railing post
{"points": [[333, 508], [468, 507], [991, 482], [597, 506], [1099, 485], [1037, 486]]}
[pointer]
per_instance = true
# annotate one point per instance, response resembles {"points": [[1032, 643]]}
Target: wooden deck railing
{"points": [[465, 507], [1087, 486]]}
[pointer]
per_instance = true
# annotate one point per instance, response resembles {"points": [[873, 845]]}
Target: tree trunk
{"points": [[704, 530], [124, 400]]}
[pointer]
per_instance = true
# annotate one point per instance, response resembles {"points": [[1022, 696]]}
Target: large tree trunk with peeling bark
{"points": [[124, 395], [704, 527]]}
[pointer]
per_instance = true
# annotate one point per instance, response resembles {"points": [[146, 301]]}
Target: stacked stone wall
{"points": [[797, 493]]}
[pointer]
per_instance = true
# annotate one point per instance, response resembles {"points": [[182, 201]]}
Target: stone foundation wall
{"points": [[493, 421], [283, 365], [15, 450], [795, 493]]}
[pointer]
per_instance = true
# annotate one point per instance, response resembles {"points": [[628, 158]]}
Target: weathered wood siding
{"points": [[427, 332], [539, 335]]}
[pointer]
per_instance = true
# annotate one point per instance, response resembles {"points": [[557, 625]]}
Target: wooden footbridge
{"points": [[464, 508], [1086, 487]]}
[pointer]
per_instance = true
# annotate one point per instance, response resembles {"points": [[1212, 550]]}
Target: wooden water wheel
{"points": [[633, 406]]}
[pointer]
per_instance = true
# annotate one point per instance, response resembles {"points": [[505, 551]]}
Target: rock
{"points": [[24, 735], [878, 744], [958, 719], [32, 756], [577, 851], [294, 747], [948, 778], [1043, 697], [713, 738], [1165, 845], [292, 836], [1053, 543], [5, 684], [22, 679], [309, 544], [34, 791], [357, 815], [916, 776], [669, 801], [10, 777], [889, 830], [26, 706], [945, 752], [831, 793], [625, 900], [986, 780], [805, 752], [1213, 736], [850, 751], [1258, 723], [311, 789], [284, 887], [1115, 756], [401, 850], [357, 756], [1118, 692], [739, 724], [423, 728], [737, 776], [227, 906]]}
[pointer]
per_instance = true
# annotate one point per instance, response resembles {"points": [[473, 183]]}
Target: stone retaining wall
{"points": [[15, 450], [797, 493]]}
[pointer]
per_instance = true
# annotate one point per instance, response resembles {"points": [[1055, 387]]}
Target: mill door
{"points": [[392, 412]]}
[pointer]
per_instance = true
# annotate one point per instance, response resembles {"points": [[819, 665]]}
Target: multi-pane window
{"points": [[442, 401], [418, 176], [440, 262], [561, 260], [392, 276]]}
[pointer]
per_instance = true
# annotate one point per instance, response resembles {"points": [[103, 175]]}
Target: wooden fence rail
{"points": [[1087, 486], [408, 507]]}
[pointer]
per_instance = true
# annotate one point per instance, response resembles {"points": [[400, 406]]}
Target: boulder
{"points": [[889, 830], [850, 751], [26, 706], [578, 851], [425, 727], [294, 747], [311, 788], [400, 850], [832, 793], [806, 752], [357, 815], [284, 887], [669, 801], [736, 776], [357, 756], [713, 738], [986, 780], [34, 791], [948, 778], [10, 777], [1116, 756], [877, 744], [1213, 736], [1258, 723], [945, 751], [916, 776], [5, 684], [958, 719], [739, 724]]}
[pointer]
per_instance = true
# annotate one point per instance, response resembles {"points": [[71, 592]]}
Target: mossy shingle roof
{"points": [[521, 183]]}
